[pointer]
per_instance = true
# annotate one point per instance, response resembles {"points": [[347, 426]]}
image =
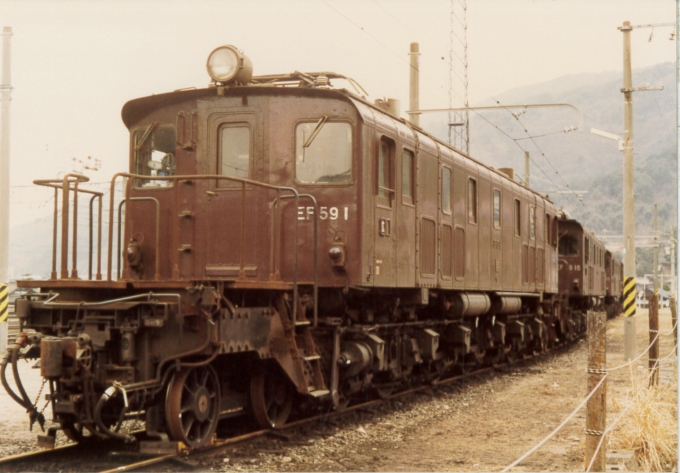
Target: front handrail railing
{"points": [[70, 182], [65, 185], [214, 177]]}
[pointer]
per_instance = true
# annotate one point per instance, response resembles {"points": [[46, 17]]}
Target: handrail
{"points": [[71, 181], [316, 252], [189, 177], [120, 243], [65, 185], [99, 239]]}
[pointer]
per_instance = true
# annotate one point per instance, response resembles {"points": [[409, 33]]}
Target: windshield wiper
{"points": [[317, 129], [145, 136]]}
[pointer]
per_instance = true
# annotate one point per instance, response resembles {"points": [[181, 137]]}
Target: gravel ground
{"points": [[483, 424]]}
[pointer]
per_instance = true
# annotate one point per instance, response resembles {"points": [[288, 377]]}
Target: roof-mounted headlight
{"points": [[228, 64]]}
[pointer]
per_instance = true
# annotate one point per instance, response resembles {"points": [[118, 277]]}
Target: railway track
{"points": [[112, 456]]}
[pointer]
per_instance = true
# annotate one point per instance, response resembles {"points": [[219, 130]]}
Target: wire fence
{"points": [[590, 394]]}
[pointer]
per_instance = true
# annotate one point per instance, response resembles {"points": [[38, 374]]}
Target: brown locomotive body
{"points": [[286, 241], [589, 275]]}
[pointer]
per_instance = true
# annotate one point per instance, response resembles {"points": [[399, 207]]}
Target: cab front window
{"points": [[568, 246], [153, 148], [323, 152]]}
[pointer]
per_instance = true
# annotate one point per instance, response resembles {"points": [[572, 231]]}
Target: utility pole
{"points": [[5, 97], [526, 168], [628, 187], [656, 251], [414, 89], [630, 346]]}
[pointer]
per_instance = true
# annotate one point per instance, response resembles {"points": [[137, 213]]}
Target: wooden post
{"points": [[596, 408], [674, 320], [654, 339]]}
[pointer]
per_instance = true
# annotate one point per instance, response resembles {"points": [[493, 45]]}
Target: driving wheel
{"points": [[192, 405], [271, 398]]}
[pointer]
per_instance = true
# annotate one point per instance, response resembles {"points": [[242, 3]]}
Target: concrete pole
{"points": [[5, 97], [414, 89], [527, 168], [630, 346]]}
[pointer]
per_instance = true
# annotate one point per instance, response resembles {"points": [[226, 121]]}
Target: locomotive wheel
{"points": [[192, 405], [271, 398]]}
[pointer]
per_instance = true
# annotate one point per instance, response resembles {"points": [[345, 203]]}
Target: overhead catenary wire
{"points": [[458, 95], [530, 137]]}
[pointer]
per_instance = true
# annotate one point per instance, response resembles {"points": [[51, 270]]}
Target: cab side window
{"points": [[407, 173], [385, 170], [472, 200], [446, 190]]}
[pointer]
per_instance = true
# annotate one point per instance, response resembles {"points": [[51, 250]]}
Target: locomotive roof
{"points": [[296, 83]]}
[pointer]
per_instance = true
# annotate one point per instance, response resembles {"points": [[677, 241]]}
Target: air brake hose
{"points": [[24, 401], [3, 376], [108, 394], [17, 378]]}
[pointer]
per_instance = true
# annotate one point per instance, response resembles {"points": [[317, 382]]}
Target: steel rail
{"points": [[36, 453]]}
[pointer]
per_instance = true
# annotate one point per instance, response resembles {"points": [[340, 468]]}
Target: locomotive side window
{"points": [[385, 171], [154, 154], [496, 209], [472, 201], [446, 190], [532, 222], [324, 152], [234, 159], [586, 247], [518, 220], [568, 246], [407, 176]]}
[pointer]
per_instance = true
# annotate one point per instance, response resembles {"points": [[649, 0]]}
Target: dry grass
{"points": [[650, 425]]}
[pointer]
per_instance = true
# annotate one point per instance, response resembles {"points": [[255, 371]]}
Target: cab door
{"points": [[385, 215], [232, 216]]}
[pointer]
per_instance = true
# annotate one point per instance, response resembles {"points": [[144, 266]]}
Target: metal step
{"points": [[319, 392], [311, 358], [300, 323]]}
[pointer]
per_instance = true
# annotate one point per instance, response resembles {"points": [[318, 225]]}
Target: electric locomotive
{"points": [[283, 245]]}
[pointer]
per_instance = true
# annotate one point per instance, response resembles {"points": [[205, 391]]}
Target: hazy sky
{"points": [[75, 63]]}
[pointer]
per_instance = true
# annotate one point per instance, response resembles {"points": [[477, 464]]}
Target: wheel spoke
{"points": [[204, 378], [187, 421]]}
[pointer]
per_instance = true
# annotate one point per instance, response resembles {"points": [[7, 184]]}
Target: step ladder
{"points": [[306, 360]]}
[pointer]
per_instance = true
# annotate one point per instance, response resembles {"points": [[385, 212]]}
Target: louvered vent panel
{"points": [[540, 274], [459, 253], [447, 262]]}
